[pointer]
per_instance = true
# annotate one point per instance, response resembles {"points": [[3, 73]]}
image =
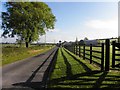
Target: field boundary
{"points": [[86, 52]]}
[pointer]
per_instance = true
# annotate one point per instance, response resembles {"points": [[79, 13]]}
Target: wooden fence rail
{"points": [[115, 53], [82, 51], [89, 52]]}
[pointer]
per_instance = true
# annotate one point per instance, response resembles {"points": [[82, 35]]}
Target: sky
{"points": [[94, 20]]}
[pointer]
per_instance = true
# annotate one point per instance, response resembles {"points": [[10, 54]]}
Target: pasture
{"points": [[99, 55]]}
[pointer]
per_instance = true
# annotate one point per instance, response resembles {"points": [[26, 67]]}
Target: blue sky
{"points": [[82, 19]]}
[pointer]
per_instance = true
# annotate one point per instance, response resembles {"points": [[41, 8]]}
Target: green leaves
{"points": [[27, 19]]}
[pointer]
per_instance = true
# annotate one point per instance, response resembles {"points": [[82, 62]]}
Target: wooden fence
{"points": [[86, 52], [115, 54]]}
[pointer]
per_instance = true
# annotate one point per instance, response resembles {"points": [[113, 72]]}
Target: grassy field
{"points": [[99, 55], [11, 54], [72, 72]]}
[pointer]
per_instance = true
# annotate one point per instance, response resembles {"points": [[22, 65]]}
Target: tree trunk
{"points": [[27, 44]]}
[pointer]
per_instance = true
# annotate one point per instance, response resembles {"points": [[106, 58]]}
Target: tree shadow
{"points": [[39, 85]]}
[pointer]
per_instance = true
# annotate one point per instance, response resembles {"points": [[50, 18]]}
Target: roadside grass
{"points": [[72, 72], [12, 54]]}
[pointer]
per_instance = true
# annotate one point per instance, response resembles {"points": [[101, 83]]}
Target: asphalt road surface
{"points": [[28, 73]]}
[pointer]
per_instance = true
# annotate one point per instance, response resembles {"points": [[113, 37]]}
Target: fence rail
{"points": [[99, 54], [90, 52], [115, 53], [87, 52]]}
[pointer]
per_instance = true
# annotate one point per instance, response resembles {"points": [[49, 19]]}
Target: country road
{"points": [[27, 73]]}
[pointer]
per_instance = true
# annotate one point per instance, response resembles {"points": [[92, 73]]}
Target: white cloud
{"points": [[101, 28], [111, 24]]}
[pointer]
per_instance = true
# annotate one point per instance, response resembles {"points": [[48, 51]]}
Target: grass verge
{"points": [[72, 72], [12, 54]]}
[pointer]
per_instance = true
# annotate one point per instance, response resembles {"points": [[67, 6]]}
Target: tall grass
{"points": [[11, 54]]}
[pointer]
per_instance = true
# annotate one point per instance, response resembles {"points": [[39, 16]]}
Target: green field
{"points": [[99, 55], [12, 53], [72, 72]]}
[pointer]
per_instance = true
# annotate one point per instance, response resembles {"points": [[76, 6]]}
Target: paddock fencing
{"points": [[98, 54], [115, 54]]}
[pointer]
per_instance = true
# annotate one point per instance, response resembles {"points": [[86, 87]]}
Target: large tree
{"points": [[27, 20]]}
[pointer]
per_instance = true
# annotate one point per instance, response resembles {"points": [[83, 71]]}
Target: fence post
{"points": [[84, 51], [113, 54], [76, 49], [90, 53], [79, 51], [102, 55], [107, 55], [73, 48], [119, 39]]}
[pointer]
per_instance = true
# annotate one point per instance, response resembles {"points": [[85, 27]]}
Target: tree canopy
{"points": [[27, 20], [86, 38]]}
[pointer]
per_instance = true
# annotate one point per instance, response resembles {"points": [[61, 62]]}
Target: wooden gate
{"points": [[115, 54]]}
